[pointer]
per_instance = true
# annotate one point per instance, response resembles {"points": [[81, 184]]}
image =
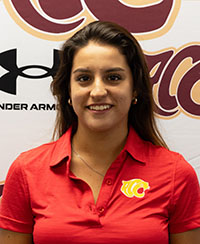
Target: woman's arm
{"points": [[188, 237], [11, 237]]}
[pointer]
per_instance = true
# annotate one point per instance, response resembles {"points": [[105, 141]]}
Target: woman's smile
{"points": [[99, 107]]}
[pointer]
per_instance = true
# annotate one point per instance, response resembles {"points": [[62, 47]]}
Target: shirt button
{"points": [[101, 209], [109, 182]]}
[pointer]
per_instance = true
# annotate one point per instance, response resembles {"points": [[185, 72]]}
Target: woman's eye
{"points": [[114, 77], [83, 78]]}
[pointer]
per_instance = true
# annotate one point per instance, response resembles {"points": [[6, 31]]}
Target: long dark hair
{"points": [[141, 115]]}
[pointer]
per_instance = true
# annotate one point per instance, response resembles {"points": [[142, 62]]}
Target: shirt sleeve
{"points": [[185, 200], [15, 209]]}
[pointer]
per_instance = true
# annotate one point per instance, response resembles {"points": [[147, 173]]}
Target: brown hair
{"points": [[141, 115]]}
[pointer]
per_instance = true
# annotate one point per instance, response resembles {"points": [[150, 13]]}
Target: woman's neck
{"points": [[100, 143]]}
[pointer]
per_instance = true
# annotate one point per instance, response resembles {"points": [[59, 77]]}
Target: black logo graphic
{"points": [[8, 82]]}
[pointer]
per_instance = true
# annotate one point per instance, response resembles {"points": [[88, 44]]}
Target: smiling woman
{"points": [[116, 38], [109, 178]]}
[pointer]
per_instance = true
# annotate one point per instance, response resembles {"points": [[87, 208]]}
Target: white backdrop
{"points": [[23, 128]]}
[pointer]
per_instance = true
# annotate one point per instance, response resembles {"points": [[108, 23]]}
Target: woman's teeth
{"points": [[99, 107]]}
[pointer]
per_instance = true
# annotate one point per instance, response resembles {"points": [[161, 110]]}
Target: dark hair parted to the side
{"points": [[141, 115]]}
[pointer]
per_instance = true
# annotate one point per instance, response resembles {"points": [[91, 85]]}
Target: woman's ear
{"points": [[134, 98], [134, 94], [69, 101], [69, 93]]}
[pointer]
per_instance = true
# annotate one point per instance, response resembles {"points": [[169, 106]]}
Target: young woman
{"points": [[109, 178]]}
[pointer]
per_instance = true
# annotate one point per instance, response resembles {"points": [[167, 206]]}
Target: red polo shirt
{"points": [[147, 192]]}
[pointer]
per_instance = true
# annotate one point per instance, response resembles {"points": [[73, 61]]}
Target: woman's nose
{"points": [[98, 89]]}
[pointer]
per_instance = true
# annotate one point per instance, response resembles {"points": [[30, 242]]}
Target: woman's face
{"points": [[101, 87]]}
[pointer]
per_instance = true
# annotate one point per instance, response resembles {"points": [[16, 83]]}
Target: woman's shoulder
{"points": [[166, 157], [160, 152], [45, 154], [37, 151], [33, 159]]}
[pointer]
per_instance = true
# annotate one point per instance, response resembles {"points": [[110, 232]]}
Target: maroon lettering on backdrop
{"points": [[32, 17], [136, 20], [161, 60], [168, 64], [186, 84], [61, 9], [1, 189]]}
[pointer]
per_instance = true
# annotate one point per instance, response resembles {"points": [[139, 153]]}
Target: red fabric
{"points": [[146, 192]]}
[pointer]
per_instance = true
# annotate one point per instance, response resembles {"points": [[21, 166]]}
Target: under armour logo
{"points": [[8, 82]]}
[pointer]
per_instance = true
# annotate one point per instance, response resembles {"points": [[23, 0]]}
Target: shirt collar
{"points": [[135, 146], [62, 148]]}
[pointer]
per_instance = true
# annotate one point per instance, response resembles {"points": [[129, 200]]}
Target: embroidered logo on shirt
{"points": [[134, 188]]}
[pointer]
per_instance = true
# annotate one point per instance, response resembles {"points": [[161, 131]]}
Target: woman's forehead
{"points": [[99, 55]]}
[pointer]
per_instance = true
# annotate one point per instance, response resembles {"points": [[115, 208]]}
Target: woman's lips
{"points": [[99, 107]]}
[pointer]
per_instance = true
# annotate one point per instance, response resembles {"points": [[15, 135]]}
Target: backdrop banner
{"points": [[32, 32]]}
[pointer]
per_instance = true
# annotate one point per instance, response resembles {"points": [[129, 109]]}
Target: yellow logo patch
{"points": [[134, 188]]}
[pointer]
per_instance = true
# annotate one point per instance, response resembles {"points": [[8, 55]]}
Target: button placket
{"points": [[107, 187]]}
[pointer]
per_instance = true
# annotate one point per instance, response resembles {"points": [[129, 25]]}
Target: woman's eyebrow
{"points": [[115, 69], [81, 70]]}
